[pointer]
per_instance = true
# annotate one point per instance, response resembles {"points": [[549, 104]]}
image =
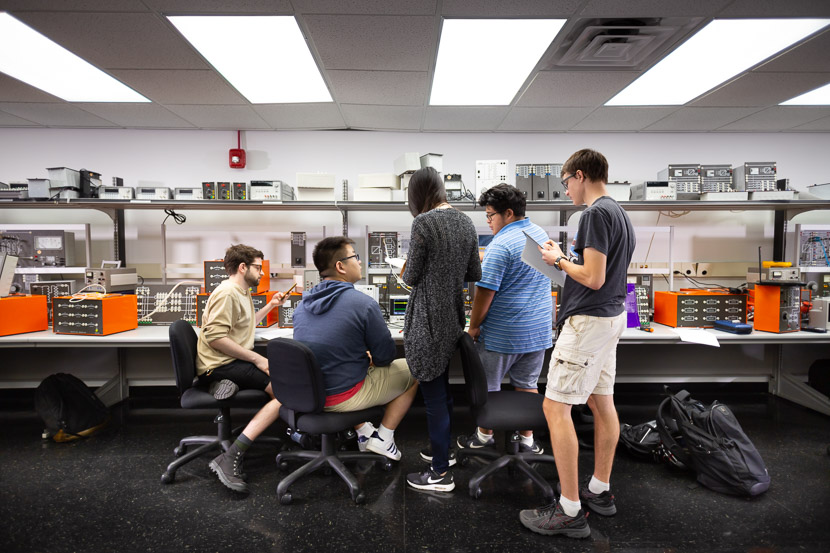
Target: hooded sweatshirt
{"points": [[339, 324]]}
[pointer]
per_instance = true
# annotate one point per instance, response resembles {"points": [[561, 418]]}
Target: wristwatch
{"points": [[556, 262]]}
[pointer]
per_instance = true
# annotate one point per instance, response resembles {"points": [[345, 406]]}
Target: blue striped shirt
{"points": [[520, 316]]}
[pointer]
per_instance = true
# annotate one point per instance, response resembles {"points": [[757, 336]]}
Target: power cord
{"points": [[178, 217]]}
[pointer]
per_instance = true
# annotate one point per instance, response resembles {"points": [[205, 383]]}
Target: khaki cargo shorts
{"points": [[584, 361], [382, 385]]}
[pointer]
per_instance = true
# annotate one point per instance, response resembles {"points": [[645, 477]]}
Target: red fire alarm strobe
{"points": [[236, 158]]}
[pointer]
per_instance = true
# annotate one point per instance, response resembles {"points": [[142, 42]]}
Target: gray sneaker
{"points": [[551, 520], [223, 389], [228, 467]]}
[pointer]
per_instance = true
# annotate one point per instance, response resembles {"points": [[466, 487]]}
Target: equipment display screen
{"points": [[397, 306], [49, 242]]}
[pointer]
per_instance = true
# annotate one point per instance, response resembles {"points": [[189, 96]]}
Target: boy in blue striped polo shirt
{"points": [[511, 320]]}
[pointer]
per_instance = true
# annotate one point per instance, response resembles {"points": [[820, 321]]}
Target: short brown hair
{"points": [[239, 254], [328, 252], [426, 190], [592, 164]]}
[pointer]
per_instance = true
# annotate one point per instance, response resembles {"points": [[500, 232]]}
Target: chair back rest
{"points": [[474, 378], [296, 378], [183, 341]]}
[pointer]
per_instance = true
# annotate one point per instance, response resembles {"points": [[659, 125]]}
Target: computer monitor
{"points": [[8, 263], [397, 307]]}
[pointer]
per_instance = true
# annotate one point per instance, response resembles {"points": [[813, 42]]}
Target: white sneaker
{"points": [[378, 445], [363, 440]]}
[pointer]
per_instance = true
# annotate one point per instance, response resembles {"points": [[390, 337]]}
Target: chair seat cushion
{"points": [[199, 398], [511, 410], [329, 423]]}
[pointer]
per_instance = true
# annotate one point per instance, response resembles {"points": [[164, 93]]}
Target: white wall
{"points": [[186, 158]]}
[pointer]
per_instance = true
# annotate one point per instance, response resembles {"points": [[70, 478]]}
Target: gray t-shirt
{"points": [[605, 227]]}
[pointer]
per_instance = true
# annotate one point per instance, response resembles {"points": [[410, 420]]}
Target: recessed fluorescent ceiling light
{"points": [[719, 51], [817, 97], [265, 58], [483, 62], [30, 57]]}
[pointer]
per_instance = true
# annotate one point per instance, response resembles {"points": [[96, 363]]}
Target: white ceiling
{"points": [[377, 58]]}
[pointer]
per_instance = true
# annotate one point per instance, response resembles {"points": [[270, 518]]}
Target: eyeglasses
{"points": [[565, 181], [256, 266], [491, 215], [356, 256]]}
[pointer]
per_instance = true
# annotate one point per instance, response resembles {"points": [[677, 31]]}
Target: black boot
{"points": [[228, 467]]}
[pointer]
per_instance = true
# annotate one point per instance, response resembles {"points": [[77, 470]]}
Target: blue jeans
{"points": [[438, 401]]}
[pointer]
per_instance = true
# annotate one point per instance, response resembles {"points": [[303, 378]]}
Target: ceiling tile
{"points": [[822, 124], [574, 88], [393, 88], [12, 90], [301, 116], [622, 118], [55, 115], [809, 56], [9, 120], [180, 86], [374, 42], [543, 119], [382, 117], [137, 115], [228, 7], [118, 40], [453, 118], [510, 8], [763, 89], [699, 119], [367, 7], [75, 6], [220, 117], [778, 118], [651, 8], [776, 8]]}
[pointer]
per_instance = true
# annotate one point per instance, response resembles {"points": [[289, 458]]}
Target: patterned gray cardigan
{"points": [[443, 254]]}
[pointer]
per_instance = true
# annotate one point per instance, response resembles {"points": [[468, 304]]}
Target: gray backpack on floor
{"points": [[710, 441]]}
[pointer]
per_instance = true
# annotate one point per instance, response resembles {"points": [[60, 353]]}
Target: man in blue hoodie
{"points": [[356, 353]]}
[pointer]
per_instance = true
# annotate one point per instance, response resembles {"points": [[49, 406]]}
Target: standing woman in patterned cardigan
{"points": [[443, 254]]}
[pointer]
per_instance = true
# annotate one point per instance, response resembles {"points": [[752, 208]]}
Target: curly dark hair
{"points": [[502, 197]]}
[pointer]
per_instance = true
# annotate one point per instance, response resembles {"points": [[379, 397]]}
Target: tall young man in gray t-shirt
{"points": [[583, 365]]}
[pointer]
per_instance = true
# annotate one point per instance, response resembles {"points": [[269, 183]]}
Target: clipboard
{"points": [[533, 257]]}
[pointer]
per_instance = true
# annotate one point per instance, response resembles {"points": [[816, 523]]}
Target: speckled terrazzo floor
{"points": [[104, 494]]}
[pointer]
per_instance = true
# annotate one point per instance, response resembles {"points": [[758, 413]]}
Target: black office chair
{"points": [[192, 396], [298, 385], [504, 410]]}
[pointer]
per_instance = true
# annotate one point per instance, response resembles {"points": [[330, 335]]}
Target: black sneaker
{"points": [[431, 480], [472, 442], [551, 520], [223, 389], [600, 503], [228, 467], [535, 448], [426, 455]]}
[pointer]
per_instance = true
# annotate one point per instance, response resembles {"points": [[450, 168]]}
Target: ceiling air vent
{"points": [[620, 43]]}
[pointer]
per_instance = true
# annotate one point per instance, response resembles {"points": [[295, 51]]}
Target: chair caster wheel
{"points": [[476, 493], [283, 466], [387, 465], [286, 499], [463, 460], [180, 450], [167, 478], [360, 498]]}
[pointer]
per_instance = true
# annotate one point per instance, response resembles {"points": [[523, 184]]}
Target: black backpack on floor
{"points": [[710, 441], [68, 408]]}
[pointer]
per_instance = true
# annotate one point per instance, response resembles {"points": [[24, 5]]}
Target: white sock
{"points": [[366, 430], [570, 508], [527, 440], [482, 437], [386, 434], [598, 486]]}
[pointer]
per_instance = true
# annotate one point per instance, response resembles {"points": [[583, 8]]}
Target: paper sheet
{"points": [[533, 257], [272, 332], [697, 336]]}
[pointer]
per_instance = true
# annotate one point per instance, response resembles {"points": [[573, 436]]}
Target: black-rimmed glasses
{"points": [[257, 266], [356, 256], [565, 181], [491, 215]]}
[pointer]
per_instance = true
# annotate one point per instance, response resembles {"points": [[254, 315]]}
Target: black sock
{"points": [[243, 442]]}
